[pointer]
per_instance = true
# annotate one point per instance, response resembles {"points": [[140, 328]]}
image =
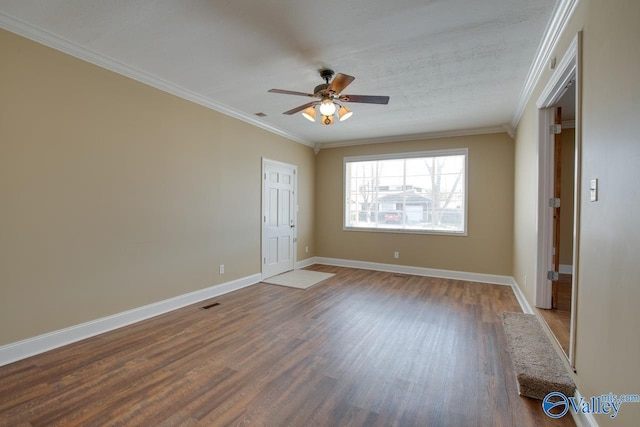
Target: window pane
{"points": [[422, 192]]}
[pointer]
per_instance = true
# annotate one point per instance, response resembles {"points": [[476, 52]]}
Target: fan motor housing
{"points": [[320, 89]]}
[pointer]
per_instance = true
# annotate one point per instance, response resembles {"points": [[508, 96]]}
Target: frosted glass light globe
{"points": [[327, 108]]}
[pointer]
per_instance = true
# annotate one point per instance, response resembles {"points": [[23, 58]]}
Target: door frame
{"points": [[266, 161], [557, 193], [569, 68]]}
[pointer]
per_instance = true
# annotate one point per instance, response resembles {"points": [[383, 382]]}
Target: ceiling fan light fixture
{"points": [[327, 120], [344, 113], [328, 98], [310, 114], [327, 108]]}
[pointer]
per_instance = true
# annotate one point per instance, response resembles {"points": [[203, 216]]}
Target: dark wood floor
{"points": [[361, 348], [559, 319]]}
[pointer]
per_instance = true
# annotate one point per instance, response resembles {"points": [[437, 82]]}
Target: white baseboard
{"points": [[418, 271], [524, 304], [26, 348], [306, 263], [445, 274], [583, 420], [31, 346]]}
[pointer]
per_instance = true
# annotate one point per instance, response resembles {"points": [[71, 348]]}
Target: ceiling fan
{"points": [[329, 97]]}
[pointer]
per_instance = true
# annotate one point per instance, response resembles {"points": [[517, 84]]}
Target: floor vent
{"points": [[207, 307], [400, 276]]}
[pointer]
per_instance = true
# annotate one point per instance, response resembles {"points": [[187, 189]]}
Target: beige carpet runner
{"points": [[539, 368]]}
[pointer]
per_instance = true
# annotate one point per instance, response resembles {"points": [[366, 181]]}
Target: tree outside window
{"points": [[422, 192]]}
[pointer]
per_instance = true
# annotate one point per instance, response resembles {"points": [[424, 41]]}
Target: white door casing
{"points": [[569, 69], [279, 182]]}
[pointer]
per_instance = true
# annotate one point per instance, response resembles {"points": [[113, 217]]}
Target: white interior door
{"points": [[278, 217]]}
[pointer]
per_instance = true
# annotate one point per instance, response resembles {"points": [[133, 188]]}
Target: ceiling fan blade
{"points": [[289, 92], [339, 82], [300, 108], [366, 99]]}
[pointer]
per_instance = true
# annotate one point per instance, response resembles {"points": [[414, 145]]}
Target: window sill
{"points": [[406, 231]]}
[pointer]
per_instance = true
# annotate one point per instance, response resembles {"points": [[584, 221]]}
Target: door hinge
{"points": [[554, 202], [556, 129], [553, 275], [264, 260]]}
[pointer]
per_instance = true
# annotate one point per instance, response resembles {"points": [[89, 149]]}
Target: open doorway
{"points": [[558, 315], [559, 197]]}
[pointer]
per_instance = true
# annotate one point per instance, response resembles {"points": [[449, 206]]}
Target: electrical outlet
{"points": [[221, 268], [306, 249], [396, 254]]}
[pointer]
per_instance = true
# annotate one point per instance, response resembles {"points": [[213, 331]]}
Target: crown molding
{"points": [[415, 137], [61, 44], [510, 130], [559, 18], [562, 12]]}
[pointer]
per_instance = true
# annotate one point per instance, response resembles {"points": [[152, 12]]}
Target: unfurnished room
{"points": [[296, 213]]}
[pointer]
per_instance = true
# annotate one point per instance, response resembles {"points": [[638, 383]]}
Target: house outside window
{"points": [[419, 192]]}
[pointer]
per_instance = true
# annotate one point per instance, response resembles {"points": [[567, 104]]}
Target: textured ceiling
{"points": [[448, 65]]}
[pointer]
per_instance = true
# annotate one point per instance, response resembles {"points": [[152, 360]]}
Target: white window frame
{"points": [[396, 156]]}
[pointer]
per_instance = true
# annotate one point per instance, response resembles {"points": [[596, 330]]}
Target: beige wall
{"points": [[488, 246], [115, 195], [526, 172], [607, 345]]}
